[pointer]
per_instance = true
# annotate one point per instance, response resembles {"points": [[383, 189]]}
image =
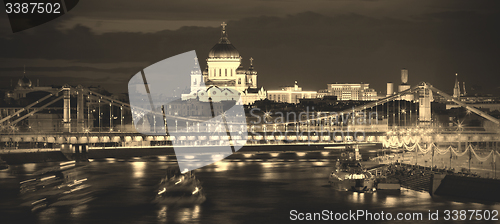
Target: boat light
{"points": [[162, 190], [47, 178]]}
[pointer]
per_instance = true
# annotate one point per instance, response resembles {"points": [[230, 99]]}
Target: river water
{"points": [[237, 190]]}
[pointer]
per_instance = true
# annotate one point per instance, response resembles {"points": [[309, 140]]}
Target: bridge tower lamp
{"points": [[88, 111], [110, 117], [121, 118], [411, 121], [470, 157], [100, 114], [404, 114], [432, 159], [416, 154], [451, 155], [495, 164], [342, 123], [393, 113]]}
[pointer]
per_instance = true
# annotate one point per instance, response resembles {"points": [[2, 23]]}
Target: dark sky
{"points": [[312, 41]]}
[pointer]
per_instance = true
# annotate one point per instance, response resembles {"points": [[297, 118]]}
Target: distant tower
{"points": [[465, 91], [197, 82], [67, 109], [456, 89], [390, 89], [404, 85], [404, 76]]}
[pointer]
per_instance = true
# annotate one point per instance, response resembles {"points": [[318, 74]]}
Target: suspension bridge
{"points": [[101, 122]]}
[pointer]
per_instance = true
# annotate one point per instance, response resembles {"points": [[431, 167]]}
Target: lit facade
{"points": [[225, 74], [347, 91], [290, 94]]}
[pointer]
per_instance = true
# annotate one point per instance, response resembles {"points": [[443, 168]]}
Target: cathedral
{"points": [[225, 76]]}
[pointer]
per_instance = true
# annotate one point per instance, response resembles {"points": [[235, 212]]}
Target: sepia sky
{"points": [[312, 41]]}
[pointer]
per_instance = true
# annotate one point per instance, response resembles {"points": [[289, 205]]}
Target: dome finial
{"points": [[251, 61], [223, 28], [223, 48]]}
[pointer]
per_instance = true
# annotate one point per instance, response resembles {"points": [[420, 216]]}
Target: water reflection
{"points": [[390, 201], [221, 166], [236, 192], [48, 215], [29, 167], [78, 211], [189, 214], [358, 198], [138, 169], [162, 214]]}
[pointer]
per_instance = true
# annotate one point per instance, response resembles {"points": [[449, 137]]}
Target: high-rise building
{"points": [[465, 91], [390, 89]]}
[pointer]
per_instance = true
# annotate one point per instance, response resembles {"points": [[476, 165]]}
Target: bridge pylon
{"points": [[67, 108], [425, 98], [80, 114]]}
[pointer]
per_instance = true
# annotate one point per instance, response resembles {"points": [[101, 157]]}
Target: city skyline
{"points": [[233, 111], [339, 43]]}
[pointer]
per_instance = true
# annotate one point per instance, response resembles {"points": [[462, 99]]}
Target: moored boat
{"points": [[350, 175]]}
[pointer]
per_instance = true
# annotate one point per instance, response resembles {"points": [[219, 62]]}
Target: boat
{"points": [[61, 185], [350, 175], [180, 189]]}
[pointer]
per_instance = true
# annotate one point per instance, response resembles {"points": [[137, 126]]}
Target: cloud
{"points": [[310, 47]]}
